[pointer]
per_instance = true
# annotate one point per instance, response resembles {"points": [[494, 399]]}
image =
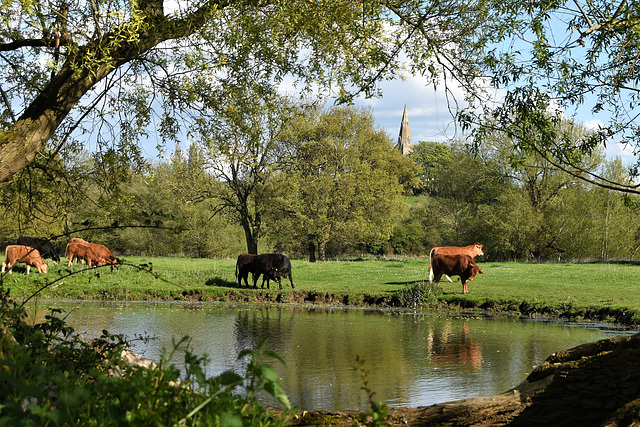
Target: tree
{"points": [[555, 60], [342, 182], [540, 182], [241, 151], [433, 158], [110, 72]]}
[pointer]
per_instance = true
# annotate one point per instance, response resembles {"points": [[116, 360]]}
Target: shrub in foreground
{"points": [[50, 376]]}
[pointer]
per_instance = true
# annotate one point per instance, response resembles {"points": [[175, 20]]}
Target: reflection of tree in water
{"points": [[450, 348]]}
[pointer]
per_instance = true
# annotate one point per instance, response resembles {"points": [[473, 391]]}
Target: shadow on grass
{"points": [[224, 283]]}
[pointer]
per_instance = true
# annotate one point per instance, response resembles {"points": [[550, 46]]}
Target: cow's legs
{"points": [[291, 280], [465, 289], [239, 276]]}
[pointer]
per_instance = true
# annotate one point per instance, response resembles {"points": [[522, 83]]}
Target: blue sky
{"points": [[430, 118]]}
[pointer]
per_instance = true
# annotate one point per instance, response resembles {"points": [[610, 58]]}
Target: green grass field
{"points": [[601, 291]]}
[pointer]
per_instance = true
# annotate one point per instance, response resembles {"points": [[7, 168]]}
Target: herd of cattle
{"points": [[32, 251], [443, 260]]}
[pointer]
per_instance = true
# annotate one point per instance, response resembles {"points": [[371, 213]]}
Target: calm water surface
{"points": [[411, 359]]}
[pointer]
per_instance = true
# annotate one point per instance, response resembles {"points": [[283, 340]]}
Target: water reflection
{"points": [[411, 359]]}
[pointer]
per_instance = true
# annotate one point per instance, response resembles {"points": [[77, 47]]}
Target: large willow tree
{"points": [[112, 71]]}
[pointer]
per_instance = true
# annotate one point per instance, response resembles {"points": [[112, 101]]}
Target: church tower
{"points": [[404, 139]]}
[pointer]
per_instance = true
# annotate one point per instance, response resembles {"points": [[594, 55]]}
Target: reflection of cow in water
{"points": [[455, 349]]}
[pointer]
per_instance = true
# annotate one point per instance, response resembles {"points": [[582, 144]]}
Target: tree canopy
{"points": [[107, 72], [565, 59], [340, 181]]}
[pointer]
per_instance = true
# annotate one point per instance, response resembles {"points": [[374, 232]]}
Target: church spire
{"points": [[404, 139]]}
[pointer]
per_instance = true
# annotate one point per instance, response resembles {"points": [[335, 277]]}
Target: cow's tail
{"points": [[430, 269], [236, 271]]}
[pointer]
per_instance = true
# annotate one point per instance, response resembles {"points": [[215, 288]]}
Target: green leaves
{"points": [[262, 376], [578, 61], [53, 378]]}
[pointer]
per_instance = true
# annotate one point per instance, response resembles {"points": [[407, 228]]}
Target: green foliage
{"points": [[554, 62], [341, 182], [379, 412], [421, 294], [49, 375]]}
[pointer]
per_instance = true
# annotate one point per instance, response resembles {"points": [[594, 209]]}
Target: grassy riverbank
{"points": [[595, 291]]}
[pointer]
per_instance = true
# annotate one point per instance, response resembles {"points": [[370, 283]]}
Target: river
{"points": [[410, 359]]}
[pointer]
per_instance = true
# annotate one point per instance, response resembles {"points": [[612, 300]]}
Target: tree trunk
{"points": [[312, 251], [251, 239], [322, 246], [90, 64]]}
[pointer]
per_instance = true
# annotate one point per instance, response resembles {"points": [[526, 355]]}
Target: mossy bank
{"points": [[602, 292]]}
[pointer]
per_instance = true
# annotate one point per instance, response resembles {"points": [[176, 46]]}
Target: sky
{"points": [[430, 118]]}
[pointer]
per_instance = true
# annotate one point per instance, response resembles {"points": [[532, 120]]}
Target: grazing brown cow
{"points": [[25, 254], [455, 265], [84, 252], [244, 265], [99, 253], [104, 254], [471, 250], [44, 246], [78, 240]]}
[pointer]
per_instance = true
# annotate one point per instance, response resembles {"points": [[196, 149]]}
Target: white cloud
{"points": [[430, 118]]}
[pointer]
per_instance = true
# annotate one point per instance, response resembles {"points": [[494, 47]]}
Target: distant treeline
{"points": [[515, 203]]}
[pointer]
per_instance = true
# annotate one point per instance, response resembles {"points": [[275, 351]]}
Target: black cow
{"points": [[44, 246], [272, 267], [244, 266]]}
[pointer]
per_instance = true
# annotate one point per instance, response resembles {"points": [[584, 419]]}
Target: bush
{"points": [[49, 376], [420, 294]]}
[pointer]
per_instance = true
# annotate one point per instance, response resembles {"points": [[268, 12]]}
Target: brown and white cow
{"points": [[23, 254], [455, 265], [471, 250], [244, 265]]}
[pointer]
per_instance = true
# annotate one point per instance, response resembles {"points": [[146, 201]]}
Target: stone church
{"points": [[404, 139]]}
